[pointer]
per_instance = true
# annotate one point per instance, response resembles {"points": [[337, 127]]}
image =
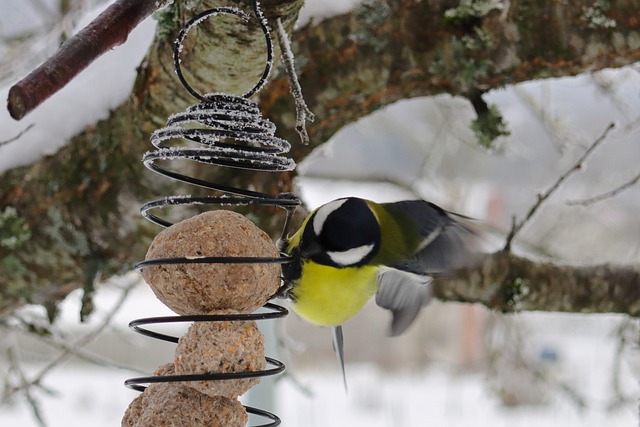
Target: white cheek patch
{"points": [[323, 212], [351, 256]]}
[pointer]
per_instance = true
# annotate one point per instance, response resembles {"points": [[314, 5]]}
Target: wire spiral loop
{"points": [[223, 130], [227, 131]]}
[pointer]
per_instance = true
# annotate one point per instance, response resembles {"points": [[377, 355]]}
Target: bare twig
{"points": [[625, 329], [43, 9], [608, 87], [286, 345], [303, 113], [33, 403], [71, 350], [22, 132], [517, 226], [508, 358], [109, 29], [27, 47], [59, 343], [552, 125], [606, 195]]}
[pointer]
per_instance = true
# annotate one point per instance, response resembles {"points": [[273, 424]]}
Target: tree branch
{"points": [[111, 28], [507, 283], [69, 351], [14, 366], [606, 195], [15, 138], [517, 226], [385, 51]]}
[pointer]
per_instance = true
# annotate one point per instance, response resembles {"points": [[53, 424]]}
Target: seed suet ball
{"points": [[173, 404], [221, 347], [200, 288]]}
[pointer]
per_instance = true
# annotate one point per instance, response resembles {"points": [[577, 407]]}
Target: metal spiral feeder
{"points": [[275, 311], [249, 143]]}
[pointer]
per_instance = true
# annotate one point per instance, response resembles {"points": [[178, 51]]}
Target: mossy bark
{"points": [[509, 283]]}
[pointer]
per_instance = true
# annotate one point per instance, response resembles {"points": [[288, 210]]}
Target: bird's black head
{"points": [[342, 233]]}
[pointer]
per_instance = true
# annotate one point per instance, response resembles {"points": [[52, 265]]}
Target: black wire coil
{"points": [[223, 130], [277, 367], [227, 131]]}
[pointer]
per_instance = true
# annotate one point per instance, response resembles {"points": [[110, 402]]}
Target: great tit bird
{"points": [[351, 249]]}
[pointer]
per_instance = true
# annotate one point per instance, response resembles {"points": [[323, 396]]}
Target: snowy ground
{"points": [[433, 397], [430, 398]]}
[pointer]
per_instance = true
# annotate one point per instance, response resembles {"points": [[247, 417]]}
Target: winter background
{"points": [[460, 365]]}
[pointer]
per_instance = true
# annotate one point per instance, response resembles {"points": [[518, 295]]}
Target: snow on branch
{"points": [[111, 28]]}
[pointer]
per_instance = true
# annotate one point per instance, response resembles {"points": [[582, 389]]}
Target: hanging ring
{"points": [[196, 20]]}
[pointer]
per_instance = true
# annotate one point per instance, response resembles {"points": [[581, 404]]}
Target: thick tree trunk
{"points": [[77, 209]]}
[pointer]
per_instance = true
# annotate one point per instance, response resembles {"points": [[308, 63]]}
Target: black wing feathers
{"points": [[447, 243]]}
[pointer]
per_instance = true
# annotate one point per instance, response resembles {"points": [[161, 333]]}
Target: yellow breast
{"points": [[329, 296]]}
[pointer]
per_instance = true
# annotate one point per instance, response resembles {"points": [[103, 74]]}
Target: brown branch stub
{"points": [[111, 28]]}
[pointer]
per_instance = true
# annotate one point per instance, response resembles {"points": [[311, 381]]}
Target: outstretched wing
{"points": [[403, 293], [446, 242]]}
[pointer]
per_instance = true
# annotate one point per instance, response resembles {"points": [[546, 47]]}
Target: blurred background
{"points": [[460, 363]]}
